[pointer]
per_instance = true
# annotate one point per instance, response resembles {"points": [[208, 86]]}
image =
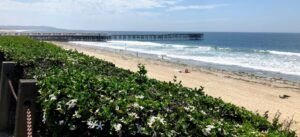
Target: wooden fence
{"points": [[18, 108]]}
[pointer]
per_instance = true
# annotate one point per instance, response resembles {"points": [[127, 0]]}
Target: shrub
{"points": [[85, 96]]}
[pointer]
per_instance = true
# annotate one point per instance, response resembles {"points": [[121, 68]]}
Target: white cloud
{"points": [[97, 6], [195, 7], [86, 6], [92, 14]]}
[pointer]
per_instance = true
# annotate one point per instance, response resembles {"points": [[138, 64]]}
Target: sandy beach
{"points": [[254, 93]]}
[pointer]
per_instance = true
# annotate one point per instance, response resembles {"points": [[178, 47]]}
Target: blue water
{"points": [[265, 54]]}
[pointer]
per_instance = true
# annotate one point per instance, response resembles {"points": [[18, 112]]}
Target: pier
{"points": [[159, 37], [62, 36], [106, 36]]}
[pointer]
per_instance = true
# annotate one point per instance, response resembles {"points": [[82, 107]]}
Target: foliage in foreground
{"points": [[85, 96]]}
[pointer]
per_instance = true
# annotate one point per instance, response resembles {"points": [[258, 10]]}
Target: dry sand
{"points": [[254, 93]]}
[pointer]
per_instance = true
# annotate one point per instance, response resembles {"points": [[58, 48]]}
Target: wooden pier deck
{"points": [[62, 36], [158, 37], [106, 36]]}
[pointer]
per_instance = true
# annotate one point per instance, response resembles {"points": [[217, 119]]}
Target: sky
{"points": [[155, 15]]}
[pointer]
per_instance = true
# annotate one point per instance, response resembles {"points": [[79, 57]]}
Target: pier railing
{"points": [[67, 36], [158, 37], [18, 108]]}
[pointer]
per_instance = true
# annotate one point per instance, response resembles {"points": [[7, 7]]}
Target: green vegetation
{"points": [[85, 96]]}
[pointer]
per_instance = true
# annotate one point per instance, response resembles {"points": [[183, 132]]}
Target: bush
{"points": [[85, 96]]}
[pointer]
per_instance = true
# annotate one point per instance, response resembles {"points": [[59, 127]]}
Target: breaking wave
{"points": [[266, 60]]}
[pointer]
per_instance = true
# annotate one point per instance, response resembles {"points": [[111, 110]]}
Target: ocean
{"points": [[274, 55]]}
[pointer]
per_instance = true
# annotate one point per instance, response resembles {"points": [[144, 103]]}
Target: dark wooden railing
{"points": [[18, 108], [67, 36]]}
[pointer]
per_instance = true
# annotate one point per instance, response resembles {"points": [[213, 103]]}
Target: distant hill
{"points": [[31, 28], [39, 29], [4, 28]]}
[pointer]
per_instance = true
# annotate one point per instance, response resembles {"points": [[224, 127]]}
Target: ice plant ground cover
{"points": [[85, 96]]}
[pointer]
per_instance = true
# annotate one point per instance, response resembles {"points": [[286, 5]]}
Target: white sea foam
{"points": [[253, 63], [146, 51], [99, 44], [271, 61], [205, 48], [224, 49], [136, 43], [284, 53], [150, 44], [179, 46]]}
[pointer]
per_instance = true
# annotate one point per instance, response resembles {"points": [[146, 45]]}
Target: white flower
{"points": [[59, 107], [139, 128], [207, 130], [136, 105], [238, 125], [76, 115], [118, 127], [100, 126], [151, 121], [44, 118], [72, 127], [133, 115], [140, 97], [203, 112], [61, 122], [92, 124], [52, 97], [117, 107], [154, 119], [123, 120], [210, 126], [71, 103], [189, 108], [191, 118]]}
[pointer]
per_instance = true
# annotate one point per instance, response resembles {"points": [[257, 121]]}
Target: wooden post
{"points": [[1, 60], [27, 94], [8, 68]]}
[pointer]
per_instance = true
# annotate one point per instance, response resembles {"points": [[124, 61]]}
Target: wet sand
{"points": [[255, 93]]}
